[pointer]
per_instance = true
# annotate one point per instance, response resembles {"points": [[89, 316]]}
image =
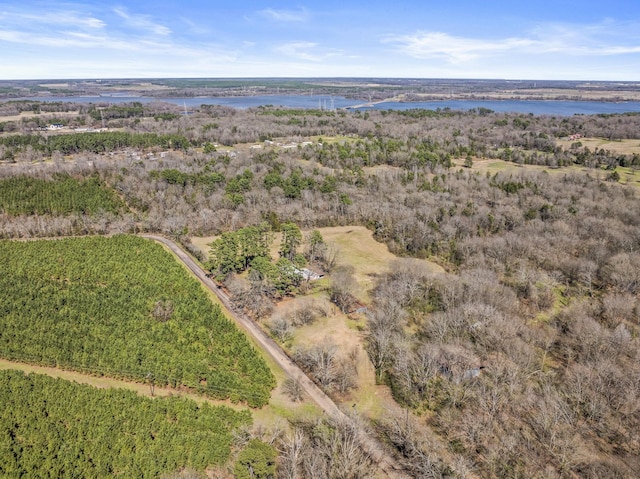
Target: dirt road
{"points": [[386, 463]]}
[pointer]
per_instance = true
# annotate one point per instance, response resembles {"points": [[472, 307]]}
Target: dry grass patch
{"points": [[492, 166], [203, 243], [369, 258], [45, 115], [624, 147], [337, 328]]}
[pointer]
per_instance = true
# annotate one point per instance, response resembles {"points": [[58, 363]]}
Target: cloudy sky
{"points": [[588, 40]]}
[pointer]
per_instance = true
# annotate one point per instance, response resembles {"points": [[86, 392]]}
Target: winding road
{"points": [[385, 462]]}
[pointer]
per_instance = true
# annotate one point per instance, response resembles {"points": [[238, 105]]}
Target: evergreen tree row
{"points": [[23, 195], [60, 429], [122, 306], [95, 142]]}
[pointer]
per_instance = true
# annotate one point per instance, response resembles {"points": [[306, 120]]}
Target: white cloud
{"points": [[58, 18], [307, 51], [300, 50], [564, 39], [454, 49], [195, 28], [142, 22], [300, 15]]}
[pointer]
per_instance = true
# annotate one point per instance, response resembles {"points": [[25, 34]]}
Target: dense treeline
{"points": [[528, 354], [56, 428], [62, 195], [122, 306], [523, 358], [94, 142]]}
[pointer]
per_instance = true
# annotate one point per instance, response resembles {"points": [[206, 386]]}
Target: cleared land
{"points": [[626, 147], [492, 166], [357, 248], [25, 115]]}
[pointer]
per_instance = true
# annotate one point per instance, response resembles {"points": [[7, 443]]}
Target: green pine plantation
{"points": [[123, 307], [57, 428], [23, 195]]}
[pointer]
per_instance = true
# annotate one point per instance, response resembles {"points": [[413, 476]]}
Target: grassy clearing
{"points": [[203, 243], [628, 175], [369, 258], [31, 114], [625, 147], [490, 166]]}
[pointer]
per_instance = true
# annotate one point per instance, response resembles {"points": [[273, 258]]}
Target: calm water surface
{"points": [[537, 107]]}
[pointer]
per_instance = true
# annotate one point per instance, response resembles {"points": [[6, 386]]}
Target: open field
{"points": [[491, 166], [31, 114], [536, 94], [625, 147], [357, 248], [202, 243]]}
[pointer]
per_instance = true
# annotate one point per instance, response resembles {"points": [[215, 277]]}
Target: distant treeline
{"points": [[95, 142]]}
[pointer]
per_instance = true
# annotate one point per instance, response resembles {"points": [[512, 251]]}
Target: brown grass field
{"points": [[626, 147]]}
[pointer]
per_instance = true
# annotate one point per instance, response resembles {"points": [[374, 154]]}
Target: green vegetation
{"points": [[235, 250], [122, 306], [62, 195], [135, 110], [291, 186], [517, 360], [248, 249], [56, 428], [175, 177], [97, 142], [256, 461], [291, 240]]}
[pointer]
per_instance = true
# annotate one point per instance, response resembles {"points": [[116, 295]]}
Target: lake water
{"points": [[537, 107]]}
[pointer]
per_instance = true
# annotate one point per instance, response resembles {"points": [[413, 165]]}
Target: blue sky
{"points": [[589, 40]]}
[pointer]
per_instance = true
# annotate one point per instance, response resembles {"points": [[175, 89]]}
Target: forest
{"points": [[62, 195], [56, 428], [122, 307], [520, 360]]}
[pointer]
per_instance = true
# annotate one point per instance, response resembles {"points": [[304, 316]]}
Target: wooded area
{"points": [[123, 307], [56, 428], [522, 360]]}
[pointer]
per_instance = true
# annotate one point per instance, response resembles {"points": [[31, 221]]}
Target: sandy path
{"points": [[105, 382]]}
